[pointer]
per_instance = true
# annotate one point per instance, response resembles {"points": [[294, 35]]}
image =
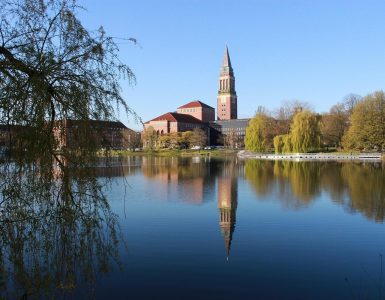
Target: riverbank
{"points": [[183, 153], [312, 156]]}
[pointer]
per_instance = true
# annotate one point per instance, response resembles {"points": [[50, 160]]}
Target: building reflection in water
{"points": [[187, 180], [227, 203], [104, 167]]}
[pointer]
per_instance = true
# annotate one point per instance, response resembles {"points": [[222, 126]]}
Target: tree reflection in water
{"points": [[366, 188], [358, 186], [57, 231]]}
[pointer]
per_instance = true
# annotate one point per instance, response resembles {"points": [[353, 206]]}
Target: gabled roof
{"points": [[176, 117], [195, 103]]}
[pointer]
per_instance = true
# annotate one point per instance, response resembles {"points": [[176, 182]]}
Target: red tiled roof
{"points": [[175, 117], [196, 103]]}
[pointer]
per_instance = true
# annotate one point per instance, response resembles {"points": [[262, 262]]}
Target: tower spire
{"points": [[227, 97], [226, 59]]}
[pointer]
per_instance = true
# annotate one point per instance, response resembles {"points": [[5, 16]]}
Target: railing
{"points": [[311, 156]]}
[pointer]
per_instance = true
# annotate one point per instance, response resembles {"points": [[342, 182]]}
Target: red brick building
{"points": [[11, 136], [174, 122], [102, 134], [195, 114], [199, 110]]}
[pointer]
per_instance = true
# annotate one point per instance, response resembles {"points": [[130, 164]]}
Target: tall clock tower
{"points": [[227, 97]]}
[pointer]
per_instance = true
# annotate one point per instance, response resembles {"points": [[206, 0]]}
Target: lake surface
{"points": [[201, 228], [210, 228]]}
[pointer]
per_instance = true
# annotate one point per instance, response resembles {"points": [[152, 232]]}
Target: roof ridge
{"points": [[176, 117], [191, 104]]}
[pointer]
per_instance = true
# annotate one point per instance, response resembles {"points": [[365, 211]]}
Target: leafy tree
{"points": [[52, 68], [278, 144], [284, 115], [305, 131], [198, 138], [286, 141], [184, 139], [230, 139], [149, 138], [349, 102], [174, 140], [169, 140], [367, 130], [134, 141], [334, 125], [257, 136], [164, 141]]}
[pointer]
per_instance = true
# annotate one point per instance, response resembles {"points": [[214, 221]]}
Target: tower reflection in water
{"points": [[227, 203]]}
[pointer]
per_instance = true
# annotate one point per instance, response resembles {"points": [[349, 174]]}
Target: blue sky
{"points": [[316, 51]]}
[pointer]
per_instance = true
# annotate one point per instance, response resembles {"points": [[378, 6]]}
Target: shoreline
{"points": [[377, 157], [174, 153]]}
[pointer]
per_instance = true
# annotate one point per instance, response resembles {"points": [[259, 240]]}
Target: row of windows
{"points": [[189, 125], [233, 129], [236, 133], [188, 110], [97, 128]]}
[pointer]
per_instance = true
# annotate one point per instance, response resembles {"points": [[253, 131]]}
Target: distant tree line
{"points": [[354, 124], [174, 140]]}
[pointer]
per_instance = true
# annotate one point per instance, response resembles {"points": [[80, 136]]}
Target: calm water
{"points": [[201, 228]]}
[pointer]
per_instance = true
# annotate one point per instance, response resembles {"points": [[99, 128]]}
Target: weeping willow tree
{"points": [[305, 132], [278, 143], [52, 68], [52, 209], [257, 137]]}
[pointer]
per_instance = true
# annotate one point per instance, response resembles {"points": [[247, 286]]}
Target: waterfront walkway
{"points": [[311, 156]]}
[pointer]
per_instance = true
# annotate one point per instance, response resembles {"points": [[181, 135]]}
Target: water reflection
{"points": [[56, 244], [57, 232], [228, 202], [186, 179], [356, 186], [365, 186], [194, 176]]}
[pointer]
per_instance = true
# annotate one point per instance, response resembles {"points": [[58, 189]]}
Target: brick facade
{"points": [[102, 134], [174, 122], [199, 110], [227, 97]]}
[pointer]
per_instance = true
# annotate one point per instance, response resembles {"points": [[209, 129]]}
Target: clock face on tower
{"points": [[223, 100]]}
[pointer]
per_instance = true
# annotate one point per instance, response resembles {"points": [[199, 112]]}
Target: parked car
{"points": [[196, 148]]}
